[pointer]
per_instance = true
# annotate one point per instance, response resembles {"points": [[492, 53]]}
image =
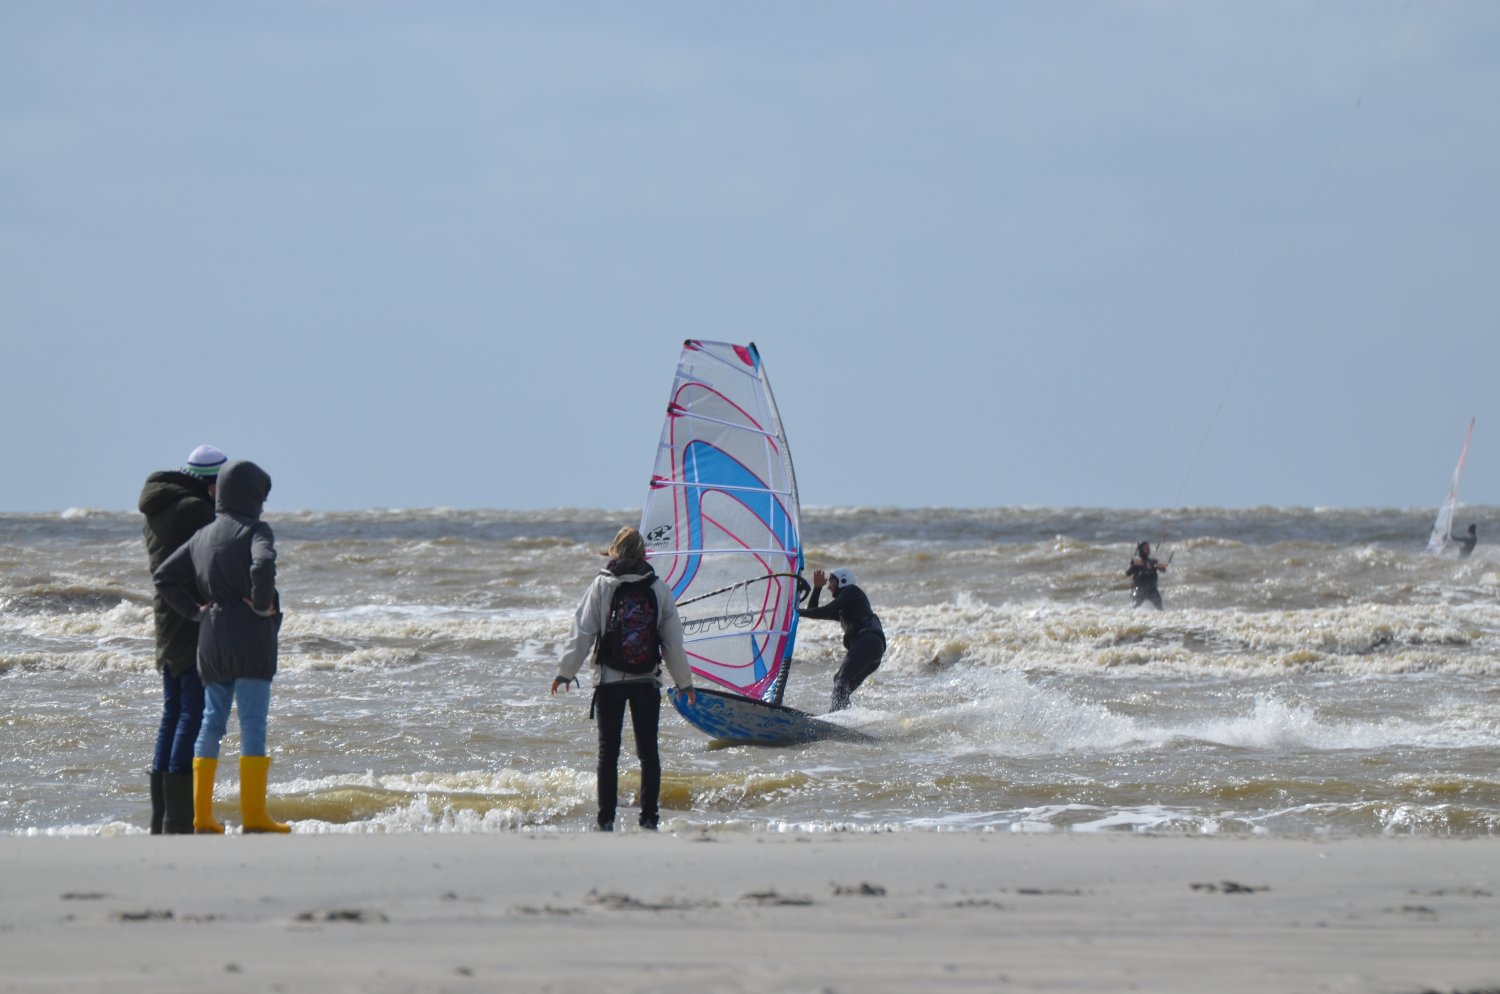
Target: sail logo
{"points": [[721, 623]]}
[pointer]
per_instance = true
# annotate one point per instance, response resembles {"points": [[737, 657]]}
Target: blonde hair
{"points": [[628, 544]]}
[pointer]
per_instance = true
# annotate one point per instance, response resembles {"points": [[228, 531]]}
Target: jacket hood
{"points": [[629, 569], [243, 489], [166, 488]]}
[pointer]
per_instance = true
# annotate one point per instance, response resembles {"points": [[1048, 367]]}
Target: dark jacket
{"points": [[231, 560], [175, 505], [1466, 542], [852, 609]]}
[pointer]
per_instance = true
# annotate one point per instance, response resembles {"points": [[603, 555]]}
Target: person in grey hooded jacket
{"points": [[231, 566], [614, 689]]}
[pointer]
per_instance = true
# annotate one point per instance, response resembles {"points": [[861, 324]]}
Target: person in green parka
{"points": [[176, 504]]}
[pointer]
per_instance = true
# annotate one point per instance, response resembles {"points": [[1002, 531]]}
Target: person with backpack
{"points": [[626, 625]]}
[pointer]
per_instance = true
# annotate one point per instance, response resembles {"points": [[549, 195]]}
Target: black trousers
{"points": [[644, 700], [860, 660]]}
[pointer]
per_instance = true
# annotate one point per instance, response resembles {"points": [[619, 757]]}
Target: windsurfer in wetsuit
{"points": [[864, 639], [1466, 542], [1143, 570]]}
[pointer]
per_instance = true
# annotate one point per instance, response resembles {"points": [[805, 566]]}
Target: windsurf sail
{"points": [[721, 519], [1442, 529]]}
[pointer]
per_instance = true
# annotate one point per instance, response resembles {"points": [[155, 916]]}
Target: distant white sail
{"points": [[1442, 530]]}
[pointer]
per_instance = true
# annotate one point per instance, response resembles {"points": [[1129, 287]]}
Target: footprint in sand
{"points": [[357, 916], [858, 890], [771, 898], [1228, 887], [624, 902]]}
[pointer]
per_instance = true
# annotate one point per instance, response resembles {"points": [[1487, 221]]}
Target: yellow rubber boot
{"points": [[203, 796], [253, 795]]}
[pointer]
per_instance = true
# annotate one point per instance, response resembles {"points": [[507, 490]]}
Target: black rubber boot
{"points": [[178, 788], [158, 802]]}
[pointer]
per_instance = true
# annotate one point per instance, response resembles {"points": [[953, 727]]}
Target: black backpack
{"points": [[629, 642]]}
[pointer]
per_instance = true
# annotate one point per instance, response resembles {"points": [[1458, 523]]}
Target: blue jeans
{"points": [[254, 699], [181, 715]]}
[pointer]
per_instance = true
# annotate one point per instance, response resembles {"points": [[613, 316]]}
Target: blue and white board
{"points": [[743, 720]]}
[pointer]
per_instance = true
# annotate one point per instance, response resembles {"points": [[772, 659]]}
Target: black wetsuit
{"points": [[864, 639], [1466, 543], [1143, 571]]}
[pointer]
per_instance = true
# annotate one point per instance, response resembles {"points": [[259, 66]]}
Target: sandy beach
{"points": [[890, 912]]}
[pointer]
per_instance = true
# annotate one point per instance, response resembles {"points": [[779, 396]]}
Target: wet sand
{"points": [[747, 913]]}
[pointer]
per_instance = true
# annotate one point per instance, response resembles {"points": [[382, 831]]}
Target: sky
{"points": [[1103, 254]]}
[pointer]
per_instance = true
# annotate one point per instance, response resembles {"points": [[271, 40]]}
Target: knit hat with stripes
{"points": [[205, 463]]}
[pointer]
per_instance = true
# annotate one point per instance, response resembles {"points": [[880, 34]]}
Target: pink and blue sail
{"points": [[721, 519]]}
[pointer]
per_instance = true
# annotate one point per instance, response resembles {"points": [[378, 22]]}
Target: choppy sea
{"points": [[1313, 673]]}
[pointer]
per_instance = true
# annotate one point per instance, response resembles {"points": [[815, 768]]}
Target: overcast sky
{"points": [[445, 254]]}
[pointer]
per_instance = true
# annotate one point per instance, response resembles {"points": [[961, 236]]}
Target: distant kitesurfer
{"points": [[176, 504], [626, 625], [864, 639], [1143, 570], [1467, 542], [224, 578]]}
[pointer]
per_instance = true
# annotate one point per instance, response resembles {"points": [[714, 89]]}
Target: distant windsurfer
{"points": [[1467, 542], [1143, 570], [864, 639]]}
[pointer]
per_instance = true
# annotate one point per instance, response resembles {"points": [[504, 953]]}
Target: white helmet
{"points": [[844, 575]]}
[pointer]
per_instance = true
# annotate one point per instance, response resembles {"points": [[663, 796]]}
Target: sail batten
{"points": [[721, 518], [719, 421], [668, 553], [727, 487]]}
